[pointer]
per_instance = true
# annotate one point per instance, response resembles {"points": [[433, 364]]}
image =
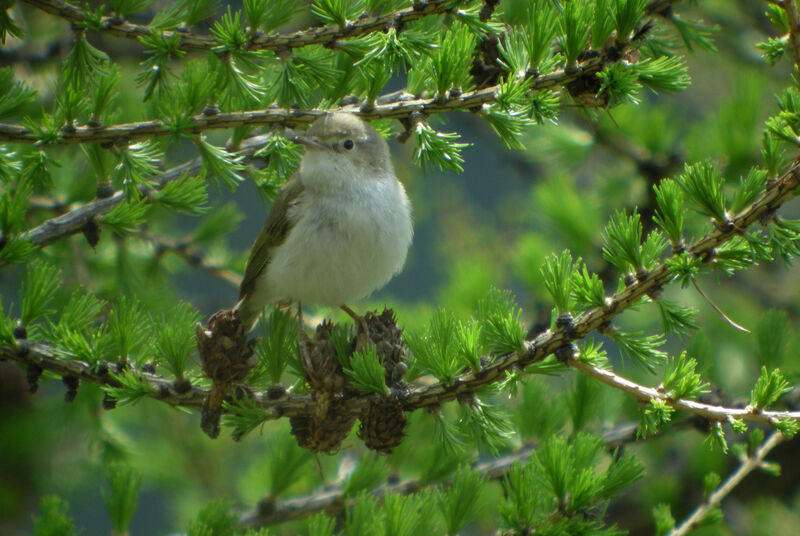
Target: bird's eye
{"points": [[348, 144]]}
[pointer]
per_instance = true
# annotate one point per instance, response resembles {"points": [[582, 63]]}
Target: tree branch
{"points": [[193, 257], [332, 501], [75, 220], [646, 394], [399, 108], [325, 35], [748, 465], [291, 405]]}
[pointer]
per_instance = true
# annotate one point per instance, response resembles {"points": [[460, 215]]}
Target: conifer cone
{"points": [[382, 425], [387, 337], [226, 357], [324, 373], [322, 435]]}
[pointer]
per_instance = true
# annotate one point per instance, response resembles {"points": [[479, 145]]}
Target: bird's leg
{"points": [[361, 323], [301, 332], [362, 331]]}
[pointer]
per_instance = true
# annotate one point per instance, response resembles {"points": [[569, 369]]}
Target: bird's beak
{"points": [[311, 143]]}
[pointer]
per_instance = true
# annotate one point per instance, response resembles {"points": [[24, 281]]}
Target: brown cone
{"points": [[382, 425]]}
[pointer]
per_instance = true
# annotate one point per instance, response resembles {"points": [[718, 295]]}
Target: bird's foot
{"points": [[362, 330]]}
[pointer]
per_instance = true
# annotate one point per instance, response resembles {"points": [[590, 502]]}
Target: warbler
{"points": [[339, 229]]}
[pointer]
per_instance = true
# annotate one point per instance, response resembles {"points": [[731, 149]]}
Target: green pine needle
{"points": [[366, 372], [769, 387], [557, 274], [220, 164], [185, 194], [38, 290], [681, 380], [243, 415], [53, 518], [123, 496], [642, 350], [132, 387], [461, 503], [439, 148]]}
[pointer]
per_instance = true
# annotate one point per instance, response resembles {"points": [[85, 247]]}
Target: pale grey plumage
{"points": [[340, 227]]}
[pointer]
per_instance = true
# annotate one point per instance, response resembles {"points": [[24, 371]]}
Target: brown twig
{"points": [[332, 501], [326, 35], [77, 219], [794, 30], [748, 465], [401, 108], [193, 257]]}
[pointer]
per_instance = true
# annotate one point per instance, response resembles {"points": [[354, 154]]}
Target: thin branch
{"points": [[292, 405], [646, 394], [193, 257], [326, 35], [748, 465], [400, 108], [794, 30], [75, 220], [333, 501]]}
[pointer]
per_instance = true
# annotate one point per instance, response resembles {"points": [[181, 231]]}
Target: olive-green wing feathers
{"points": [[275, 230]]}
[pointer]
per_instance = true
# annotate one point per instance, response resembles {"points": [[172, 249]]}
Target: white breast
{"points": [[346, 243]]}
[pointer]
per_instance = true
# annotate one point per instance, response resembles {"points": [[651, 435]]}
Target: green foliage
{"points": [[266, 15], [671, 214], [460, 504], [41, 282], [676, 318], [174, 341], [573, 24], [662, 515], [243, 415], [623, 247], [502, 330], [557, 273], [366, 372], [368, 474], [185, 194], [487, 425], [438, 148], [667, 73], [123, 496], [337, 11], [626, 15], [769, 387], [681, 380], [128, 330], [137, 163], [277, 347], [132, 387], [619, 84], [703, 184], [219, 163], [450, 60], [53, 519], [642, 350], [653, 417], [215, 519], [127, 216], [14, 94], [285, 461], [433, 350]]}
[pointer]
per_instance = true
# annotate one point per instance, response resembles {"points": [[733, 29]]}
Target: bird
{"points": [[339, 228]]}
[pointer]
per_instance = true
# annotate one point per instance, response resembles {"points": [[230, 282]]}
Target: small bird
{"points": [[340, 227]]}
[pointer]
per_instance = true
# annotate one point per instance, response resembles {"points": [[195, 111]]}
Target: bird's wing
{"points": [[273, 234]]}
